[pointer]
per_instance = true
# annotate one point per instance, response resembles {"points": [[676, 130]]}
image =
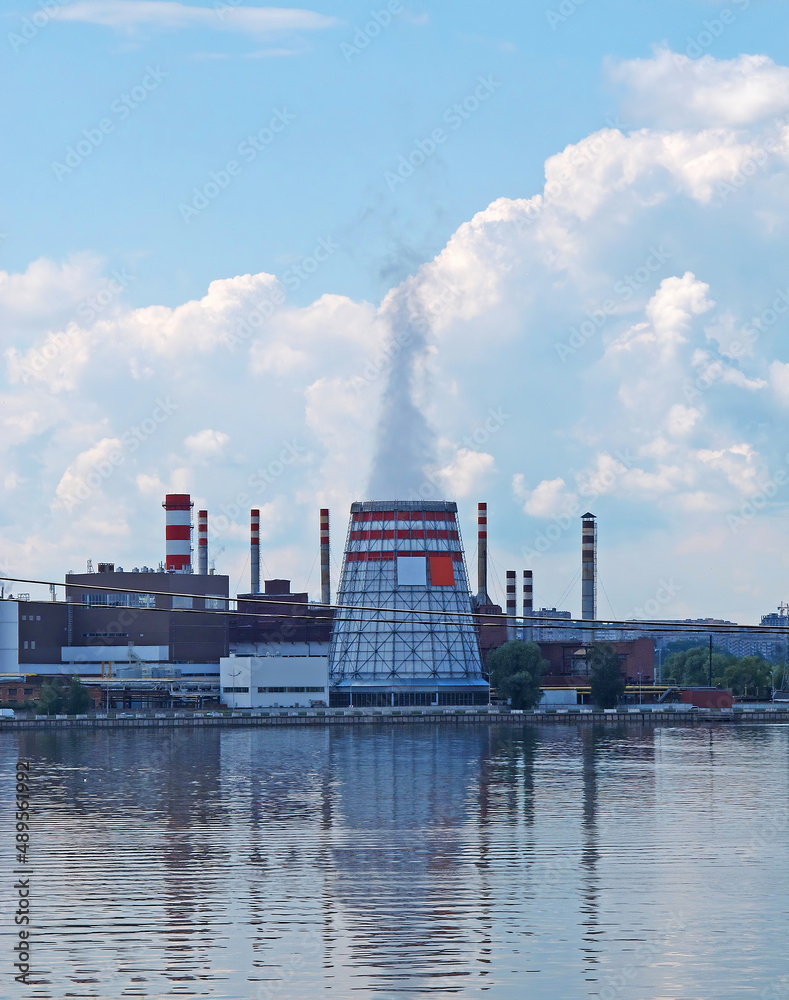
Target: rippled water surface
{"points": [[409, 861]]}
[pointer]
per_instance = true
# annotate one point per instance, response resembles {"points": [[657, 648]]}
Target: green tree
{"points": [[751, 675], [605, 673], [50, 701], [516, 670], [77, 697], [691, 667]]}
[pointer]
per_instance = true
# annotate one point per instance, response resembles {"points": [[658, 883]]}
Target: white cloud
{"points": [[550, 498], [46, 287], [86, 475], [672, 307], [206, 445], [129, 14], [150, 486], [672, 90], [655, 343], [602, 478], [779, 380], [681, 419], [467, 472], [739, 463], [296, 388]]}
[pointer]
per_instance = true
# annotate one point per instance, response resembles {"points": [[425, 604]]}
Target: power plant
{"points": [[404, 629]]}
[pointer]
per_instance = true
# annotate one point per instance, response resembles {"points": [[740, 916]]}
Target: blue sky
{"points": [[354, 116], [638, 113]]}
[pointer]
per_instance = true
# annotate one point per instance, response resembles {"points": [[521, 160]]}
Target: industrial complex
{"points": [[405, 628]]}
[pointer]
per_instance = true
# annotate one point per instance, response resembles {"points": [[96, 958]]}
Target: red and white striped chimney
{"points": [[482, 554], [254, 551], [178, 532], [202, 542], [325, 567]]}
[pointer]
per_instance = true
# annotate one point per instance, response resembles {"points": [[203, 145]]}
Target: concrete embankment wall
{"points": [[352, 717]]}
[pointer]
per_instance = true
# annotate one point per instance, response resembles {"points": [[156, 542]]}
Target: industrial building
{"points": [[405, 629]]}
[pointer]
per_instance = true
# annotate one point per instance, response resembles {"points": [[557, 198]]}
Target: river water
{"points": [[403, 862]]}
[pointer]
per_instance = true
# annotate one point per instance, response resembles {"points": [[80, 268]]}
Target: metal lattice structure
{"points": [[406, 556]]}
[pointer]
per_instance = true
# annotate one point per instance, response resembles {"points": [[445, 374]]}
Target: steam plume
{"points": [[405, 442]]}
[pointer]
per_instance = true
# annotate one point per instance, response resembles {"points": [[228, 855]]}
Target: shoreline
{"points": [[332, 717]]}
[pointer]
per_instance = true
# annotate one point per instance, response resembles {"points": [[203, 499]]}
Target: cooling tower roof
{"points": [[382, 505]]}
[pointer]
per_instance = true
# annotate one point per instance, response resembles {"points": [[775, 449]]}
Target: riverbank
{"points": [[644, 715]]}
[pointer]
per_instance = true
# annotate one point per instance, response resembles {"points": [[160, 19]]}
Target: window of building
{"points": [[183, 602], [12, 692], [291, 690], [26, 644], [215, 603], [236, 690], [119, 600], [38, 618], [28, 690], [32, 643]]}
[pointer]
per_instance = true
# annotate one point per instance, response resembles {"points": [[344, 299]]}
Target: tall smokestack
{"points": [[512, 602], [202, 542], [482, 554], [528, 603], [178, 533], [325, 567], [588, 567], [254, 551]]}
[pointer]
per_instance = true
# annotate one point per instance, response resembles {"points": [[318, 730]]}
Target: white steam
{"points": [[405, 442]]}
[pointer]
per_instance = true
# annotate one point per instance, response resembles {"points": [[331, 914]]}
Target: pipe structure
{"points": [[325, 566], [254, 551], [202, 542], [178, 533], [482, 554], [588, 567], [528, 603], [512, 603]]}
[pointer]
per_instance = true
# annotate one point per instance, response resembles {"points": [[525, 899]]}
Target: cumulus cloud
{"points": [[467, 472], [675, 91], [206, 445], [681, 419], [670, 311], [550, 498], [297, 389], [86, 475], [739, 463]]}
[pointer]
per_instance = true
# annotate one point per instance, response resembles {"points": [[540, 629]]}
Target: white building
{"points": [[284, 675]]}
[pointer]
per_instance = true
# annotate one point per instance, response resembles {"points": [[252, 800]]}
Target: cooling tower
{"points": [[407, 557]]}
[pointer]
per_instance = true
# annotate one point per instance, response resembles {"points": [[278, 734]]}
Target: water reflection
{"points": [[405, 861]]}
